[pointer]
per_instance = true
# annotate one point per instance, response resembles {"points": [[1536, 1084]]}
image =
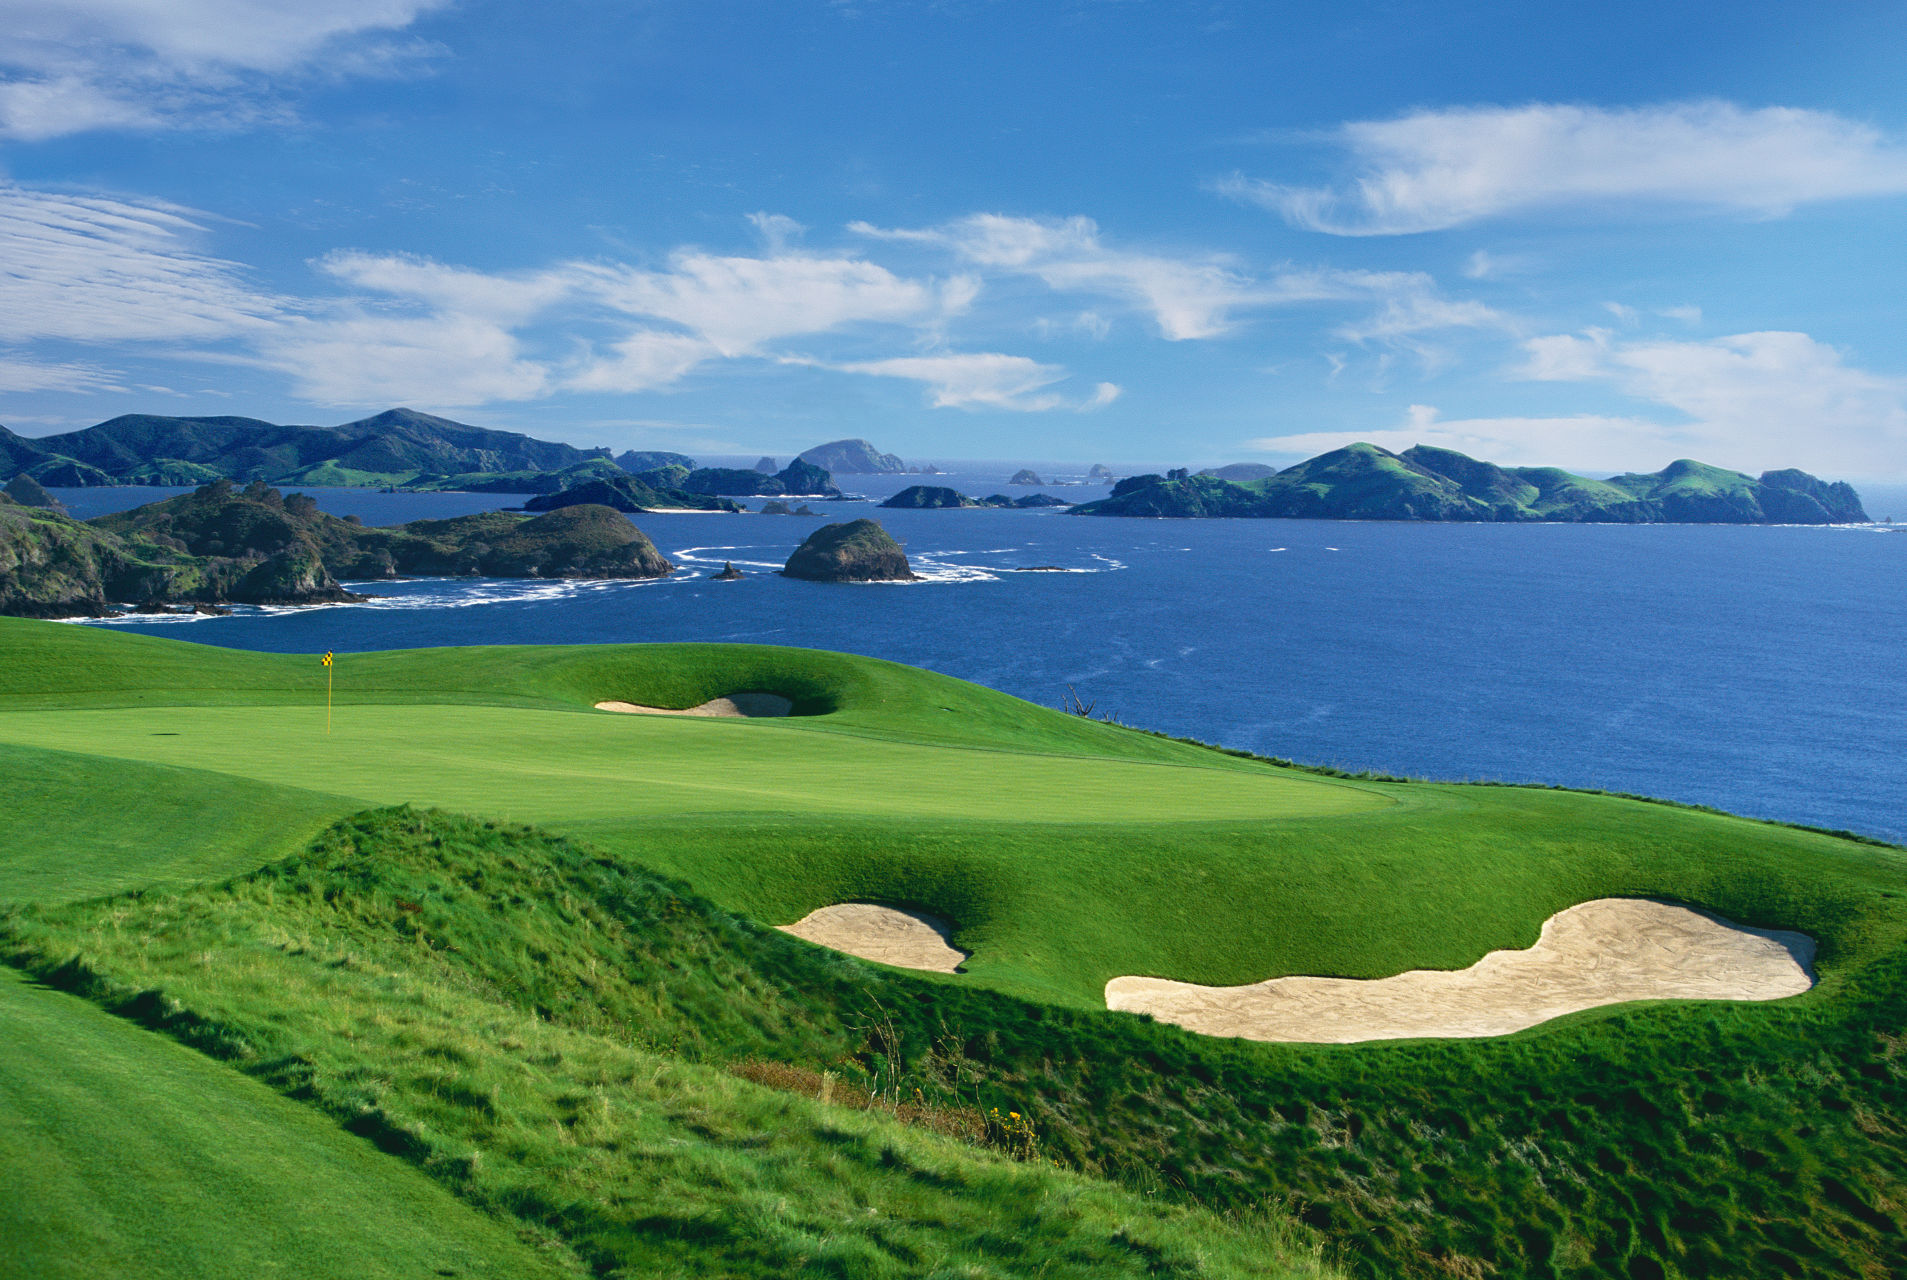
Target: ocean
{"points": [[1759, 669]]}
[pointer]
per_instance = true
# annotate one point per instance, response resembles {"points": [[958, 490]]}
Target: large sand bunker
{"points": [[887, 934], [735, 704], [1603, 952]]}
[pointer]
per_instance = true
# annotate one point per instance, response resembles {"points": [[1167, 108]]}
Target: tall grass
{"points": [[537, 1028]]}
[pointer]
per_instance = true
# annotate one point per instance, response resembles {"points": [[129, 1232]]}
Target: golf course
{"points": [[421, 963]]}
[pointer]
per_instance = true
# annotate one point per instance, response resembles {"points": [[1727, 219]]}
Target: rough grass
{"points": [[527, 1023], [537, 1025]]}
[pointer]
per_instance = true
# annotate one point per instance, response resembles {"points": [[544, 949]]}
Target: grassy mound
{"points": [[1665, 1139], [537, 1025], [532, 1025]]}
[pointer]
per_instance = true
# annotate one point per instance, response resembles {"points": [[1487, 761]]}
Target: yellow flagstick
{"points": [[327, 691]]}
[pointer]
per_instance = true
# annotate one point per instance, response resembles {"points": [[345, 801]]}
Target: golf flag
{"points": [[327, 690], [327, 659]]}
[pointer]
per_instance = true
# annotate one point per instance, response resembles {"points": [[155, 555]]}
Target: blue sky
{"points": [[1598, 235]]}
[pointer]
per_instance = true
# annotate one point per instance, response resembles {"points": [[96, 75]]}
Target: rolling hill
{"points": [[1364, 482], [388, 448]]}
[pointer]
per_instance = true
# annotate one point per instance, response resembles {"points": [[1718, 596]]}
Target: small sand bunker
{"points": [[1603, 952], [749, 705], [909, 939]]}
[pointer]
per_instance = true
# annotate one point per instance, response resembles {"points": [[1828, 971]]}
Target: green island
{"points": [[255, 545], [1365, 482], [933, 497], [462, 975]]}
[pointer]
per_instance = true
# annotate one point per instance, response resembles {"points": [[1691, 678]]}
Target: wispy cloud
{"points": [[737, 304], [1591, 442], [400, 327], [1751, 401], [965, 380], [70, 66], [38, 375], [100, 269], [1431, 170], [1189, 296], [1763, 397], [1192, 296], [369, 359]]}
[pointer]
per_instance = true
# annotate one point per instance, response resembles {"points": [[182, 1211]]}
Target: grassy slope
{"points": [[123, 1154], [330, 473], [1609, 1143], [452, 989], [522, 1020]]}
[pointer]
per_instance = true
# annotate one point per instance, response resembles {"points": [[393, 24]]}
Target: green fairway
{"points": [[1064, 852], [553, 766], [78, 826], [123, 1154]]}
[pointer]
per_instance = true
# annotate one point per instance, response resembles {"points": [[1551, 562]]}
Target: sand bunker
{"points": [[735, 704], [1603, 952], [887, 934]]}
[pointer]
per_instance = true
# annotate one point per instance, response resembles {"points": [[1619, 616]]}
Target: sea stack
{"points": [[729, 572], [858, 551]]}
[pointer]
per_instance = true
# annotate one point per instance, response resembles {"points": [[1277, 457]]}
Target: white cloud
{"points": [[1194, 296], [1589, 442], [99, 269], [981, 379], [1436, 169], [103, 270], [458, 331], [366, 359], [68, 66], [1769, 399], [1750, 401], [499, 296], [1187, 297], [777, 230], [35, 375], [737, 304], [405, 328], [1409, 304], [643, 361]]}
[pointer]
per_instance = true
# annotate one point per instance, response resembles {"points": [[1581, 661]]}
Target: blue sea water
{"points": [[1759, 669]]}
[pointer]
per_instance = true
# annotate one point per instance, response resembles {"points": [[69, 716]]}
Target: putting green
{"points": [[546, 766]]}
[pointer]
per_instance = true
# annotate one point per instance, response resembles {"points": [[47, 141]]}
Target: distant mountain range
{"points": [[389, 448], [397, 449], [1364, 482]]}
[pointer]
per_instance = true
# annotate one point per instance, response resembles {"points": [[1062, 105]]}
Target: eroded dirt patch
{"points": [[1608, 951], [909, 939], [749, 705]]}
